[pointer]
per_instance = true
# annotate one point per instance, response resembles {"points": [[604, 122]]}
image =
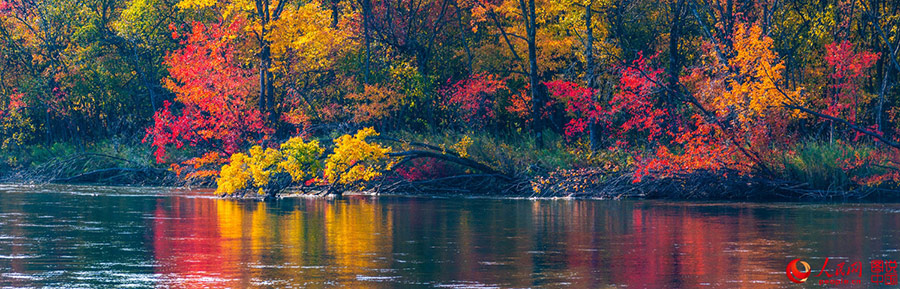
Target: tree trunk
{"points": [[335, 16], [265, 58], [674, 61], [464, 36], [885, 84], [537, 99], [589, 72], [264, 81], [367, 15]]}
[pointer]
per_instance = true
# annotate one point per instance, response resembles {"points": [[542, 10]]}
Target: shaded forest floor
{"points": [[558, 169]]}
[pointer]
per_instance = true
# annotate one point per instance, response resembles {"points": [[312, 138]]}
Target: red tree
{"points": [[212, 90], [580, 104], [846, 77], [474, 97]]}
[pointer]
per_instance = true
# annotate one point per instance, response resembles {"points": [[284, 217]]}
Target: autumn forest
{"points": [[608, 98]]}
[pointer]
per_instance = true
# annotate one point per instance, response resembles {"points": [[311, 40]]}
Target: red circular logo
{"points": [[795, 274]]}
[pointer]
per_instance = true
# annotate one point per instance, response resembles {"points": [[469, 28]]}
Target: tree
{"points": [[261, 15], [267, 170], [213, 90], [522, 28], [474, 98], [848, 68], [16, 127], [585, 110]]}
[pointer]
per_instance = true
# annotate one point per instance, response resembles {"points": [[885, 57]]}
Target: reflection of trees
{"points": [[226, 243], [209, 242], [590, 245], [686, 247], [358, 238], [191, 249]]}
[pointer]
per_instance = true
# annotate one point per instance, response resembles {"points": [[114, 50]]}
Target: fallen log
{"points": [[410, 155], [100, 175]]}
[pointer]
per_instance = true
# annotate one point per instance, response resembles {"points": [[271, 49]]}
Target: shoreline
{"points": [[696, 187]]}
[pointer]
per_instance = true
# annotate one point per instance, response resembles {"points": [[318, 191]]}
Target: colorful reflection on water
{"points": [[100, 237]]}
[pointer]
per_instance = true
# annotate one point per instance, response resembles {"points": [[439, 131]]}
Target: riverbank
{"points": [[114, 161], [527, 172], [614, 187]]}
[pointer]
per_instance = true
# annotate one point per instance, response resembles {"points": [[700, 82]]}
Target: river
{"points": [[83, 236]]}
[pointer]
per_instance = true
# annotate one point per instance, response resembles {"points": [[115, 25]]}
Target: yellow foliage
{"points": [[374, 103], [462, 147], [295, 157], [304, 35], [261, 163], [751, 88], [554, 37], [300, 159], [355, 160], [195, 4], [16, 127], [234, 176]]}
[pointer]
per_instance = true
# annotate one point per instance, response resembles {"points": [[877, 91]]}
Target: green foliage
{"points": [[821, 165], [63, 159]]}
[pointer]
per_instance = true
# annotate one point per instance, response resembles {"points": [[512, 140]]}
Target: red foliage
{"points": [[580, 104], [702, 146], [14, 103], [174, 30], [697, 145], [474, 97], [212, 88], [848, 68], [635, 98], [424, 169], [520, 104], [58, 102]]}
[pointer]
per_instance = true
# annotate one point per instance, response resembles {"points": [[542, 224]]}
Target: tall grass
{"points": [[820, 164], [68, 158]]}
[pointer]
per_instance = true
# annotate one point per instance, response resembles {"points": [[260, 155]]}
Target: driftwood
{"points": [[417, 144], [410, 155], [489, 181], [114, 174], [92, 168], [465, 184], [697, 185]]}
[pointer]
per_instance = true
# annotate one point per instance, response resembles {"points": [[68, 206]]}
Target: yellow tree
{"points": [[285, 34], [531, 28], [746, 92]]}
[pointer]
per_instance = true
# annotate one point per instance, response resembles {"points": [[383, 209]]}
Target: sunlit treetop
{"points": [[304, 37]]}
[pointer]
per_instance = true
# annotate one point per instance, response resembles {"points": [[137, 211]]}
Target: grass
{"points": [[68, 158], [519, 154], [819, 164]]}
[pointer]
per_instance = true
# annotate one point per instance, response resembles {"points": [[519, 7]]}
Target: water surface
{"points": [[78, 236]]}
